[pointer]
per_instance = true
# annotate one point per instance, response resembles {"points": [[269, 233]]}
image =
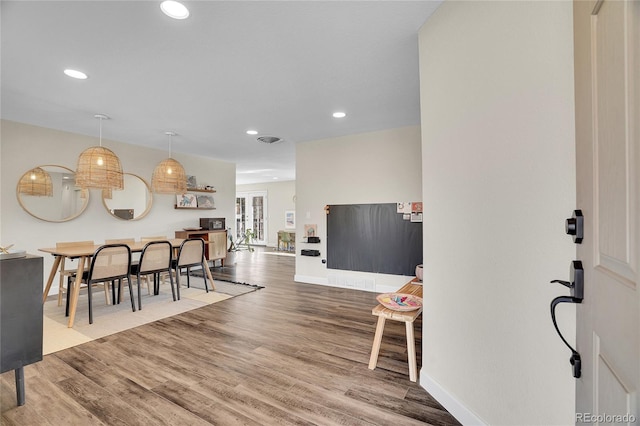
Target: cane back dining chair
{"points": [[191, 254], [285, 239], [110, 263], [134, 258], [120, 241], [155, 259], [153, 238], [66, 273]]}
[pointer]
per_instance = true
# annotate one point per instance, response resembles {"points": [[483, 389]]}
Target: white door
{"points": [[251, 208], [607, 70]]}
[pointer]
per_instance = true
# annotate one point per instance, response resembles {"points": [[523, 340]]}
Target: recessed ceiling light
{"points": [[252, 132], [75, 74], [339, 114], [174, 9]]}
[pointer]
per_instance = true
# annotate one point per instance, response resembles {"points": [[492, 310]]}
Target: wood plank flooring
{"points": [[290, 353]]}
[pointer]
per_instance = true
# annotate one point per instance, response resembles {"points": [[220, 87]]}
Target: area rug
{"points": [[110, 319], [232, 288]]}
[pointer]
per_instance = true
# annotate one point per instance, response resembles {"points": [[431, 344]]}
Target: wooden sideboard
{"points": [[20, 316], [215, 243]]}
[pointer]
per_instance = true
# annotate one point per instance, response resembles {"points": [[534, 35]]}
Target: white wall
{"points": [[25, 146], [498, 182], [279, 198], [377, 167]]}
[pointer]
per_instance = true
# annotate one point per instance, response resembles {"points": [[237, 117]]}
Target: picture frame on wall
{"points": [[310, 230], [186, 201], [205, 201], [290, 219], [192, 182]]}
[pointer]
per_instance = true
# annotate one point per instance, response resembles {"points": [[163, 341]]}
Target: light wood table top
{"points": [[73, 252]]}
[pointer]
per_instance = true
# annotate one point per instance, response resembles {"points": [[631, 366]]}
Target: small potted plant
{"points": [[249, 237], [242, 243]]}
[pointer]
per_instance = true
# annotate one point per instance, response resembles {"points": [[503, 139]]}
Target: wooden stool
{"points": [[408, 317]]}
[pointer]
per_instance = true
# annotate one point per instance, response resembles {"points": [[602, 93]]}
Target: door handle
{"points": [[575, 360], [576, 285]]}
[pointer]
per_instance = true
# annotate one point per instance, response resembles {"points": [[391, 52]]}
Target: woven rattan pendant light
{"points": [[36, 182], [169, 176], [99, 167]]}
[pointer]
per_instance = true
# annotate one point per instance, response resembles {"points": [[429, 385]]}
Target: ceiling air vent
{"points": [[269, 139]]}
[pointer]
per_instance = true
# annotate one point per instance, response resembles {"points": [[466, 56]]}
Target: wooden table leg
{"points": [[377, 340], [75, 291], [411, 352], [205, 265], [54, 270]]}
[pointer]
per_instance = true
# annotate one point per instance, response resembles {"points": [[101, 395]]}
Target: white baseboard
{"points": [[310, 279], [325, 281], [450, 402]]}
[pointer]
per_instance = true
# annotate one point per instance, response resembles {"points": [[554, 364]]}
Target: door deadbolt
{"points": [[575, 226]]}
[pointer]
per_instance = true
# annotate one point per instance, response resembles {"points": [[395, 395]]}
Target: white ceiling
{"points": [[280, 67]]}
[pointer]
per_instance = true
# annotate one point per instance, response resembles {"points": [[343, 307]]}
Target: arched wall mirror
{"points": [[131, 203], [61, 201]]}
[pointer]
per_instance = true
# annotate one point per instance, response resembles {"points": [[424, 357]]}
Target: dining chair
{"points": [[156, 258], [146, 240], [285, 238], [68, 273], [191, 254], [154, 238], [120, 241], [134, 256], [110, 262]]}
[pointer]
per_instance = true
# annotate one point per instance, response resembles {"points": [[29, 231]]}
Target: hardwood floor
{"points": [[290, 353]]}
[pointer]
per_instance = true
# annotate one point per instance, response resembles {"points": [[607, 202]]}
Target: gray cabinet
{"points": [[20, 316]]}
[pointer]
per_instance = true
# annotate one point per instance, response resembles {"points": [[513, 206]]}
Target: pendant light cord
{"points": [[101, 117], [171, 135]]}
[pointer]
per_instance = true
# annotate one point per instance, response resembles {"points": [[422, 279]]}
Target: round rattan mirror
{"points": [[131, 203], [50, 193]]}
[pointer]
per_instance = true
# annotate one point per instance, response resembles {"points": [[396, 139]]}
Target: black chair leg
{"points": [[113, 293], [173, 290], [66, 311], [188, 274], [133, 300], [89, 285], [204, 275], [139, 293]]}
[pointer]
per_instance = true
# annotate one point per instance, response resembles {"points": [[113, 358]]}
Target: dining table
{"points": [[84, 253]]}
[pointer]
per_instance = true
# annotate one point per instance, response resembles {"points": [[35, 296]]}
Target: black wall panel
{"points": [[372, 238]]}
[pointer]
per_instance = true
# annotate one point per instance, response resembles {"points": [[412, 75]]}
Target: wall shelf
{"points": [[210, 191], [196, 190], [193, 208]]}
